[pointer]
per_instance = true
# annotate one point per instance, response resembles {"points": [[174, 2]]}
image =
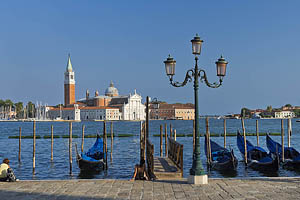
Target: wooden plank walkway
{"points": [[165, 169]]}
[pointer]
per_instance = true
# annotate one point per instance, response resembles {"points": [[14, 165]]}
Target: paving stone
{"points": [[271, 188]]}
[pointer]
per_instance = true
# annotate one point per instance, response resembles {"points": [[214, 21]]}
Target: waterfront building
{"points": [[64, 113], [284, 114], [130, 106], [110, 106], [172, 111], [99, 113]]}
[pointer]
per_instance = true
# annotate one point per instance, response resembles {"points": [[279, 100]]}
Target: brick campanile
{"points": [[69, 88]]}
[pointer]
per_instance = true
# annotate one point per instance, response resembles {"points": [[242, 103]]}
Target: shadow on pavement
{"points": [[12, 195]]}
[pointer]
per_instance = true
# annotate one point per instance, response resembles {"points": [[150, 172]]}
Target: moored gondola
{"points": [[92, 160], [221, 158], [257, 157], [291, 155]]}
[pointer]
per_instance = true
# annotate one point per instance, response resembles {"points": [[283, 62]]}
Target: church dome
{"points": [[111, 91]]}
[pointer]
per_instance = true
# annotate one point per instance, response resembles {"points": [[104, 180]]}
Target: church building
{"points": [[110, 106]]}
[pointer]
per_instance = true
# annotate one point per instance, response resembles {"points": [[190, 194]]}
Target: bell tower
{"points": [[69, 84]]}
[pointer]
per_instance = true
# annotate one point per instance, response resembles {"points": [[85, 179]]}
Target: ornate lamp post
{"points": [[197, 174]]}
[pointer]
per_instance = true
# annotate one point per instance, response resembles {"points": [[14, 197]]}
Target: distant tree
{"points": [[59, 105], [245, 112], [297, 112], [288, 105], [31, 109], [19, 109], [2, 103], [269, 108], [8, 102]]}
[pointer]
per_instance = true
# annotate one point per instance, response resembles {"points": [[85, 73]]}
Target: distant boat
{"points": [[92, 160], [222, 158], [291, 155], [256, 116], [257, 157]]}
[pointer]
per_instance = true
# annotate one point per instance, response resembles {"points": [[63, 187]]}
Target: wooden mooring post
{"points": [[33, 154], [161, 140], [70, 146], [166, 140], [105, 143], [224, 133], [142, 144], [51, 143], [82, 138], [20, 130], [209, 159], [245, 141], [147, 117], [111, 136], [257, 133], [289, 131], [171, 131], [175, 134], [282, 140]]}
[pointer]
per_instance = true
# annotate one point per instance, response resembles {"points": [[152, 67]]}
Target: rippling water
{"points": [[125, 150]]}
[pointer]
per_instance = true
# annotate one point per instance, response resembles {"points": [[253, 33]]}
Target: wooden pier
{"points": [[165, 168], [169, 167]]}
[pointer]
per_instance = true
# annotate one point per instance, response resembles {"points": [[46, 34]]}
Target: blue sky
{"points": [[127, 42]]}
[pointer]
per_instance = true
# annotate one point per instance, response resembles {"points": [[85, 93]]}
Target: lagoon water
{"points": [[125, 149]]}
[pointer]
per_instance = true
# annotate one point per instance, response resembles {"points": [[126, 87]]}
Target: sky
{"points": [[127, 41]]}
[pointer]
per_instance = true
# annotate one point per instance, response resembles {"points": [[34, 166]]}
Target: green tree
{"points": [[19, 109], [245, 112], [2, 103], [59, 105], [8, 102], [297, 112], [31, 109], [269, 108], [288, 105]]}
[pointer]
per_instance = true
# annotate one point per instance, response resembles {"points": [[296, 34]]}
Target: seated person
{"points": [[140, 172], [6, 173]]}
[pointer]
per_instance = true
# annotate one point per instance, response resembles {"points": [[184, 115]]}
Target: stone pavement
{"points": [[263, 188]]}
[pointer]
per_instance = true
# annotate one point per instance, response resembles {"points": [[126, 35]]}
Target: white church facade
{"points": [[133, 109]]}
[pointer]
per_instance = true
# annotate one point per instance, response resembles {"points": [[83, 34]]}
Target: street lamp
{"points": [[197, 174]]}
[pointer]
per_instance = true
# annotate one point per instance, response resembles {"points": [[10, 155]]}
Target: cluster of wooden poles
{"points": [[172, 131], [209, 157], [70, 144], [166, 138], [289, 133]]}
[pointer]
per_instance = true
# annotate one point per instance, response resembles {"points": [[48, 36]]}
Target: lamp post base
{"points": [[198, 180]]}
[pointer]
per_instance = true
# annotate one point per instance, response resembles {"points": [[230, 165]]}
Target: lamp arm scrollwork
{"points": [[188, 77], [204, 78]]}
